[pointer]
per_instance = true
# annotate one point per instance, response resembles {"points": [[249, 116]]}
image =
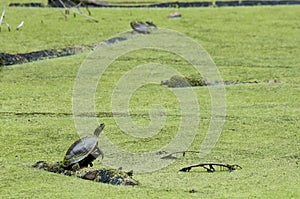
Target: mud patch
{"points": [[108, 176]]}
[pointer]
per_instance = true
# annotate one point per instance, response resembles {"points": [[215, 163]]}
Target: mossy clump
{"points": [[196, 81], [109, 176], [177, 81]]}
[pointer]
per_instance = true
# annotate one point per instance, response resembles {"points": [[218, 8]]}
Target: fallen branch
{"points": [[76, 10], [78, 6], [84, 15], [66, 8], [210, 167]]}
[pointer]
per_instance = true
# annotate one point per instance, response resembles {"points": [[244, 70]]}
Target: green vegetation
{"points": [[261, 131]]}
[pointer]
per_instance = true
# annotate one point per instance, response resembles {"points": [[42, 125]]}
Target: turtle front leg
{"points": [[97, 152], [101, 153]]}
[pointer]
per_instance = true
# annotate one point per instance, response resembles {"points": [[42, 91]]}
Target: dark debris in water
{"points": [[180, 81], [210, 167], [115, 40], [31, 4], [193, 191], [7, 59], [108, 176]]}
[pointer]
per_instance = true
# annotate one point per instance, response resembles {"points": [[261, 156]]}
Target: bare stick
{"points": [[84, 15], [76, 10], [8, 26], [2, 17], [63, 4], [20, 25], [74, 5], [67, 12]]}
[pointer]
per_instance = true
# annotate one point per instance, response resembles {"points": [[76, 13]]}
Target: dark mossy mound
{"points": [[33, 4], [179, 81], [109, 176], [11, 59], [7, 59]]}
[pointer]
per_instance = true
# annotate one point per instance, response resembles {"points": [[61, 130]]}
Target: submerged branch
{"points": [[210, 167]]}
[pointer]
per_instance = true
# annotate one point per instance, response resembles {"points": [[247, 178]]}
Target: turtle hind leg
{"points": [[87, 161], [75, 167]]}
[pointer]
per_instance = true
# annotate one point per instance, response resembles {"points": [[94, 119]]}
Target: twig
{"points": [[67, 12], [79, 4], [8, 26], [2, 17], [20, 26], [64, 14], [74, 6], [84, 15], [71, 2], [63, 4], [76, 10]]}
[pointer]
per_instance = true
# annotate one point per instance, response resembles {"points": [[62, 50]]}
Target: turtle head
{"points": [[99, 129]]}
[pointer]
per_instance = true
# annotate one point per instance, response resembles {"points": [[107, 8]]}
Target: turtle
{"points": [[84, 151], [140, 27]]}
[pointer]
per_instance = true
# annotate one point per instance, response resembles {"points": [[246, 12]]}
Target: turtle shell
{"points": [[140, 27], [85, 148]]}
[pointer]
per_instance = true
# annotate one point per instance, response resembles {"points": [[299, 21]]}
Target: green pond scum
{"points": [[261, 130]]}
